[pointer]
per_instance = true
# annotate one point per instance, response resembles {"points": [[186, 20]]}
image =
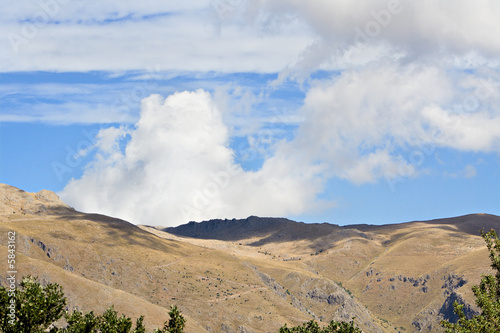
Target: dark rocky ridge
{"points": [[470, 224], [282, 229], [279, 229]]}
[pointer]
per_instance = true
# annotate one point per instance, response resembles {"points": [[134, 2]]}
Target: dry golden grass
{"points": [[246, 283]]}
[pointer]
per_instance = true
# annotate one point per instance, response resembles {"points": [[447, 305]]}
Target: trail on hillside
{"points": [[215, 300], [182, 258]]}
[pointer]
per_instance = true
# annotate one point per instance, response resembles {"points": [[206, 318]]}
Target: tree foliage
{"points": [[37, 308], [313, 327], [108, 322], [175, 324], [487, 296]]}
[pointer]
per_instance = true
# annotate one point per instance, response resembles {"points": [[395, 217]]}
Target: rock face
{"points": [[447, 310], [16, 201], [451, 283], [391, 278], [428, 320], [279, 229], [318, 293]]}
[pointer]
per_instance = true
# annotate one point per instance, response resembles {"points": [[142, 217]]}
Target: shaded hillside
{"points": [[250, 275], [284, 230], [407, 274], [274, 229], [101, 261], [470, 224]]}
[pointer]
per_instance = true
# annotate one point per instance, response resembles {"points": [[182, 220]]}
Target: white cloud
{"points": [[236, 36], [357, 124], [410, 74], [470, 132], [177, 167], [469, 171], [349, 31], [78, 38]]}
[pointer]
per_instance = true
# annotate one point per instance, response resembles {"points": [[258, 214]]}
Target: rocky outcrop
{"points": [[336, 298], [429, 319], [447, 309], [271, 283], [323, 292], [271, 229], [16, 201], [330, 294], [452, 282], [450, 285], [50, 251]]}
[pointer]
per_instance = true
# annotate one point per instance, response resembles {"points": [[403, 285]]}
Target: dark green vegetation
{"points": [[36, 308], [313, 327], [487, 296], [33, 308], [393, 278]]}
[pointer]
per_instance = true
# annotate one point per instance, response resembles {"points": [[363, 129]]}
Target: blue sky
{"points": [[161, 113]]}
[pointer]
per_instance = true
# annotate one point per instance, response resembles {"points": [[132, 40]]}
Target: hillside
{"points": [[407, 275], [250, 275]]}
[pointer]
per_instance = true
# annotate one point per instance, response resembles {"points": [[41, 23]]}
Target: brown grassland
{"points": [[392, 278]]}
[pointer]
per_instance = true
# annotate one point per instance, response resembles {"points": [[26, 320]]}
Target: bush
{"points": [[313, 327], [109, 322], [487, 296], [175, 324], [36, 308]]}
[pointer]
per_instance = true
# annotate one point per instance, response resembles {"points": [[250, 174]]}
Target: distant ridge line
{"points": [[283, 228]]}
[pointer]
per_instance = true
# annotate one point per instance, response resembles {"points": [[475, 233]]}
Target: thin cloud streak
{"points": [[400, 79]]}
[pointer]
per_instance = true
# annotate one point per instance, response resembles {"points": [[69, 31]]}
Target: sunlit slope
{"points": [[250, 275], [101, 261], [407, 275]]}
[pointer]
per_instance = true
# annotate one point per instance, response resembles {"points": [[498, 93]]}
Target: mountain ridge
{"points": [[260, 274], [225, 229], [254, 226]]}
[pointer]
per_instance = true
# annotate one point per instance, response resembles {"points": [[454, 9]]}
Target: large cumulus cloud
{"points": [[402, 78], [176, 166]]}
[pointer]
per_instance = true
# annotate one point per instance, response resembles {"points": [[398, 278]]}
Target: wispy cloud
{"points": [[397, 81], [469, 171]]}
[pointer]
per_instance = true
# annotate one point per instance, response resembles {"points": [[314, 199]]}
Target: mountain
{"points": [[280, 229], [407, 275], [250, 275]]}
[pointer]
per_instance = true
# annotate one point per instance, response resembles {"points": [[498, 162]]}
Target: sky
{"points": [[165, 112]]}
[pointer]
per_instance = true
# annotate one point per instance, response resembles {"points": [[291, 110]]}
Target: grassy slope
{"points": [[244, 283], [397, 271], [102, 261]]}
